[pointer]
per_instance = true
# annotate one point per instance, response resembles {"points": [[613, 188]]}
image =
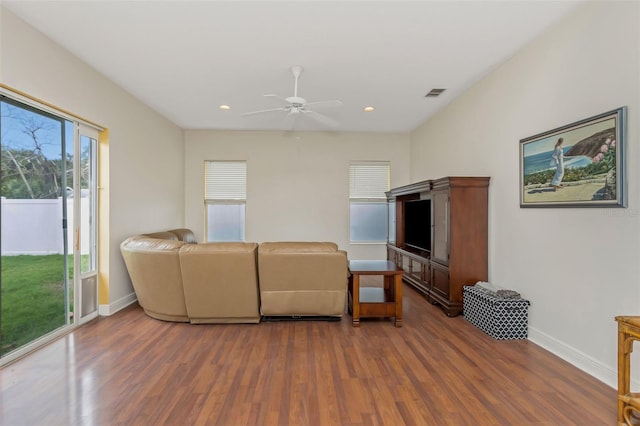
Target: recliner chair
{"points": [[302, 279]]}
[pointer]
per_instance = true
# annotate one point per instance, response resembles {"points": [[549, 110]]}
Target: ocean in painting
{"points": [[542, 161]]}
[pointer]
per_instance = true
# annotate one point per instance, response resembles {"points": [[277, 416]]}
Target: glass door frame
{"points": [[80, 277], [85, 128]]}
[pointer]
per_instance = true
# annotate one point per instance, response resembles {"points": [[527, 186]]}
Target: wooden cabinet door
{"points": [[440, 280], [440, 234]]}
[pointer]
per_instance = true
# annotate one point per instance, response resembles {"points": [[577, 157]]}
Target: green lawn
{"points": [[32, 298]]}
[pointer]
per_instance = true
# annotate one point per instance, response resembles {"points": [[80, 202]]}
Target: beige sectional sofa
{"points": [[176, 279]]}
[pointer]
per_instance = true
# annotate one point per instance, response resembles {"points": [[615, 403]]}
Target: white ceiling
{"points": [[185, 58]]}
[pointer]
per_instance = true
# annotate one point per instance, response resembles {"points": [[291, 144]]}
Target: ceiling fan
{"points": [[296, 106]]}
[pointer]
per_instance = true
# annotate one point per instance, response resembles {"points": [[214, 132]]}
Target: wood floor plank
{"points": [[129, 369]]}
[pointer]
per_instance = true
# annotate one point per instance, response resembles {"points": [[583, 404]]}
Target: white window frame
{"points": [[368, 183], [225, 183]]}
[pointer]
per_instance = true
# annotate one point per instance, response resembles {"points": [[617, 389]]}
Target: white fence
{"points": [[35, 226]]}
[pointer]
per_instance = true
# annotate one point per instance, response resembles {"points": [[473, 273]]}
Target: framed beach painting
{"points": [[577, 165]]}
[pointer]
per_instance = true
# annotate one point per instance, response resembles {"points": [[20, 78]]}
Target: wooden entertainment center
{"points": [[441, 236]]}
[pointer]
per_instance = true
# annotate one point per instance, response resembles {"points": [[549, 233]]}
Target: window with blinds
{"points": [[368, 220], [225, 194], [225, 180]]}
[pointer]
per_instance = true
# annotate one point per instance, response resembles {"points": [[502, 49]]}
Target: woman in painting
{"points": [[557, 159]]}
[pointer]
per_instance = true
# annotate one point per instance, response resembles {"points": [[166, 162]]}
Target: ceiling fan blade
{"points": [[263, 110], [321, 118], [332, 103], [277, 98]]}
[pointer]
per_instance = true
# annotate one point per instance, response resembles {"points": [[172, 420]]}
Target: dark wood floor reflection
{"points": [[129, 369]]}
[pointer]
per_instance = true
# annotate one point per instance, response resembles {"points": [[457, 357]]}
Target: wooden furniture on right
{"points": [[458, 252], [628, 402]]}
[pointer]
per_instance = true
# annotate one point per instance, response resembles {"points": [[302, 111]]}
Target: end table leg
{"points": [[624, 370], [398, 300], [355, 296]]}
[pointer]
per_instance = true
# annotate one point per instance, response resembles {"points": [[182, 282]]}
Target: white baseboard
{"points": [[112, 308], [600, 371]]}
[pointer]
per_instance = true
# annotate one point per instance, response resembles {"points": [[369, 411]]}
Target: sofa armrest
{"points": [[184, 234]]}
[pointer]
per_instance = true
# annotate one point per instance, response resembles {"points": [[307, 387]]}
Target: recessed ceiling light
{"points": [[368, 109], [225, 107]]}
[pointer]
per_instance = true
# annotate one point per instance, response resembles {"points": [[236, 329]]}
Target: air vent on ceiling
{"points": [[434, 93]]}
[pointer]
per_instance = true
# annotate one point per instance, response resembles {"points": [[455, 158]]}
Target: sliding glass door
{"points": [[48, 218]]}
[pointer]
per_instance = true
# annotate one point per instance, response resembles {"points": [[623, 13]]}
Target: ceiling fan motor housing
{"points": [[296, 100]]}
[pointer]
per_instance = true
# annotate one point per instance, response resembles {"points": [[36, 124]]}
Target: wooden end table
{"points": [[368, 302], [628, 402]]}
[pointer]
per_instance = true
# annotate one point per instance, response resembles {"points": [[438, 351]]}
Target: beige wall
{"points": [[578, 267], [297, 183], [146, 180]]}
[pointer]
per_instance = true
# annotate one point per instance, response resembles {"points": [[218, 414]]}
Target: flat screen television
{"points": [[417, 224]]}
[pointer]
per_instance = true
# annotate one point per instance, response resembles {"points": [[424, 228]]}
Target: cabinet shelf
{"points": [[415, 267]]}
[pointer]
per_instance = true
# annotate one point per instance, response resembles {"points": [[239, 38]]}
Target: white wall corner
{"points": [[112, 308]]}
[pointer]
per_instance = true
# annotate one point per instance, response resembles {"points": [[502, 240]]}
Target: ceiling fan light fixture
{"points": [[224, 107], [295, 106], [368, 108]]}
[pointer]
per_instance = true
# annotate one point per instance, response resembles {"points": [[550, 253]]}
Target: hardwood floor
{"points": [[129, 369]]}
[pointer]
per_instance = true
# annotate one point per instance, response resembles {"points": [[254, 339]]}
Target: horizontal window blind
{"points": [[225, 180], [369, 180]]}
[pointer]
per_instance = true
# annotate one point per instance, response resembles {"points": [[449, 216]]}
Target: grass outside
{"points": [[32, 298]]}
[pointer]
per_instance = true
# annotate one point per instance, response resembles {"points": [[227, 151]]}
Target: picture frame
{"points": [[581, 164]]}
